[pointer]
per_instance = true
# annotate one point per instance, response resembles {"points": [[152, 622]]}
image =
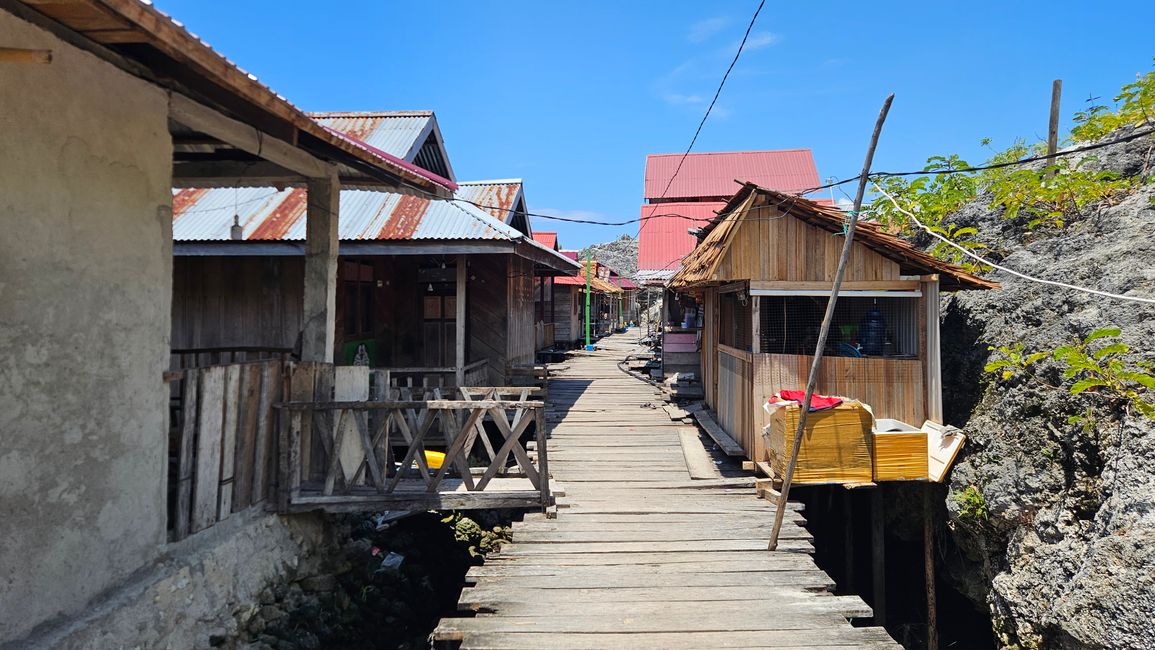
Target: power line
{"points": [[710, 108], [1003, 268], [979, 168]]}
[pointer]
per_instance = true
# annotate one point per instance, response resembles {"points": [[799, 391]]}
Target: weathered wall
{"points": [[237, 301], [85, 283], [488, 313], [520, 338], [202, 587]]}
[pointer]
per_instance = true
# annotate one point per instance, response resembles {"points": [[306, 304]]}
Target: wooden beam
{"points": [[933, 354], [21, 55], [459, 326], [321, 250], [205, 120], [882, 285], [232, 173]]}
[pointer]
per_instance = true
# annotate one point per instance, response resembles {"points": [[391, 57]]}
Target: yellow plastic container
{"points": [[434, 459]]}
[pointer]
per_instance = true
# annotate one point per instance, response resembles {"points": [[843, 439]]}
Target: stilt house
{"points": [[763, 273]]}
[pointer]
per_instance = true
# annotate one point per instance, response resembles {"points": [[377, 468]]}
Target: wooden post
{"points": [[1053, 128], [459, 327], [542, 457], [928, 562], [933, 361], [878, 553], [826, 321], [755, 325], [848, 541], [318, 333]]}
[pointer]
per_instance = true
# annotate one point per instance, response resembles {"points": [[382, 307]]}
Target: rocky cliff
{"points": [[1056, 518]]}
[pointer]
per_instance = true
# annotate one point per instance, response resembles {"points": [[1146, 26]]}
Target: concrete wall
{"points": [[85, 287]]}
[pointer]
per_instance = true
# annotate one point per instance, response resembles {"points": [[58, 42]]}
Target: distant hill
{"points": [[620, 255]]}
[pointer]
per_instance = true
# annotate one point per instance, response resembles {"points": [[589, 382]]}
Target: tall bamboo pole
{"points": [[826, 321]]}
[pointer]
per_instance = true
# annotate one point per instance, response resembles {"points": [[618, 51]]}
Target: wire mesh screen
{"points": [[735, 323], [862, 327]]}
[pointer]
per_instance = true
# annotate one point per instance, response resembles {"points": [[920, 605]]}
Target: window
{"points": [[867, 327], [357, 299], [735, 322]]}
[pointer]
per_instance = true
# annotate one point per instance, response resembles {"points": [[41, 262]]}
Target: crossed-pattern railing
{"points": [[360, 449]]}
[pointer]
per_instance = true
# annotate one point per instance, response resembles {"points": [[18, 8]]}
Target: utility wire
{"points": [[710, 108], [1024, 276]]}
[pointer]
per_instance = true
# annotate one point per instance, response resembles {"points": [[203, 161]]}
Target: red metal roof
{"points": [[547, 239], [663, 239], [713, 174]]}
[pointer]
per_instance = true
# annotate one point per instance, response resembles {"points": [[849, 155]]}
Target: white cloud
{"points": [[757, 41], [678, 99], [704, 29]]}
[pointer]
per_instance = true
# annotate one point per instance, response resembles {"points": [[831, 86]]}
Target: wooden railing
{"points": [[365, 455], [200, 357], [221, 436], [734, 405], [476, 374]]}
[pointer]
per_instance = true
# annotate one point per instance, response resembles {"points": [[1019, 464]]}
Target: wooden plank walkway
{"points": [[640, 555]]}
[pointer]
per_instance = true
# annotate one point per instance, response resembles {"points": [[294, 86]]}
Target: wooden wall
{"points": [[520, 337], [734, 403], [765, 249], [567, 329], [710, 346], [236, 301], [894, 388], [487, 306]]}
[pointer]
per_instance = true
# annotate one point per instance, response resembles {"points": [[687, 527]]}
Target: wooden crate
{"points": [[900, 456], [837, 446]]}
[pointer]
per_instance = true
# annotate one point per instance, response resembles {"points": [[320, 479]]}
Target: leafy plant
{"points": [[1137, 106], [972, 505], [1101, 366], [964, 238], [1013, 360], [1063, 188]]}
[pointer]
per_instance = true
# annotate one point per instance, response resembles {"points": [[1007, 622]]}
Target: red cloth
{"points": [[817, 402]]}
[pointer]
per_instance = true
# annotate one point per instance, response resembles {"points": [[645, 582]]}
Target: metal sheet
{"points": [[710, 175]]}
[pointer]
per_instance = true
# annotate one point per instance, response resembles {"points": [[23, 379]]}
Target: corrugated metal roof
{"points": [[266, 214], [499, 197], [713, 174], [663, 240], [547, 239], [400, 133], [702, 264]]}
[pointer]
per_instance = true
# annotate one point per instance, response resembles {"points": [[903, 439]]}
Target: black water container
{"points": [[872, 332]]}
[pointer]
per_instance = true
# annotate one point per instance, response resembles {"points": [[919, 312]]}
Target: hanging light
{"points": [[430, 288]]}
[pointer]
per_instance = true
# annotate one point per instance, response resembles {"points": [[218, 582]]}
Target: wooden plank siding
{"points": [[489, 313], [764, 248], [223, 444], [733, 397], [567, 329], [520, 341]]}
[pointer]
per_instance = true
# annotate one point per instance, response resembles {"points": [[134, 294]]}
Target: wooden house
{"points": [[570, 302], [763, 273], [411, 270]]}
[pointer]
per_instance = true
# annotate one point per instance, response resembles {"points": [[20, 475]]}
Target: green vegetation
{"points": [[1100, 364], [1136, 105], [972, 505], [1046, 197], [480, 541]]}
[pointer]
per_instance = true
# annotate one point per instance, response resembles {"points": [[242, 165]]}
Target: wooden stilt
{"points": [[848, 541], [878, 552], [928, 560]]}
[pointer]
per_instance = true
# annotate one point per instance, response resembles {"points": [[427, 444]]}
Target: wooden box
{"points": [[836, 444], [900, 453]]}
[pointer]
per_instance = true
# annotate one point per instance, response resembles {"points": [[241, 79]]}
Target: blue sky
{"points": [[571, 96]]}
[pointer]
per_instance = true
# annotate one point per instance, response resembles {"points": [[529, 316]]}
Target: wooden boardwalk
{"points": [[640, 555]]}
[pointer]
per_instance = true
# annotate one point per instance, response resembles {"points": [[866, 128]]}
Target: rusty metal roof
{"points": [[700, 266], [266, 214], [500, 198], [400, 133], [711, 175]]}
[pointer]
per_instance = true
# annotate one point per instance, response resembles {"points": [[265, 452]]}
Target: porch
{"points": [[305, 436]]}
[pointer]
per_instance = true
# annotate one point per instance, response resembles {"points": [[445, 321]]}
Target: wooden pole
{"points": [[459, 326], [321, 250], [826, 321], [878, 551], [589, 266], [1053, 128], [928, 561]]}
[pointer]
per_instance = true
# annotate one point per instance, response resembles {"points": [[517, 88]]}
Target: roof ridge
{"points": [[325, 114], [495, 181], [724, 153]]}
